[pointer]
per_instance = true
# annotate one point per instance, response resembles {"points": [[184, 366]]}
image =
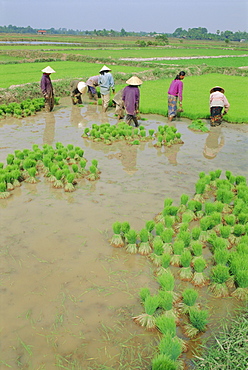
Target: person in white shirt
{"points": [[217, 102]]}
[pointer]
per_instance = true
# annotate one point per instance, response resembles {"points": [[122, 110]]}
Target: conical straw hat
{"points": [[48, 69], [82, 87], [105, 68], [134, 80], [217, 87]]}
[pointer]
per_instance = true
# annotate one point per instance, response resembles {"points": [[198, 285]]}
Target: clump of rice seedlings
{"points": [[167, 236], [171, 347], [225, 231], [196, 207], [178, 248], [58, 184], [94, 162], [242, 217], [184, 226], [241, 280], [186, 273], [185, 236], [143, 293], [151, 133], [75, 170], [144, 247], [166, 301], [165, 264], [219, 277], [199, 278], [189, 300], [221, 256], [158, 250], [166, 325], [93, 175], [183, 202], [9, 179], [69, 187], [166, 282], [240, 180], [198, 321], [150, 225], [188, 216], [125, 227], [206, 223], [195, 232], [200, 187], [16, 175], [3, 191], [163, 362], [147, 319], [31, 179], [159, 228], [238, 230], [131, 246], [117, 240], [196, 248], [82, 164], [168, 202]]}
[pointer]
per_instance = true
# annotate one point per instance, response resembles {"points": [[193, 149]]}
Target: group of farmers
{"points": [[127, 99]]}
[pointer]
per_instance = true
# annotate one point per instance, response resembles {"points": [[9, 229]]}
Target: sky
{"points": [[160, 16]]}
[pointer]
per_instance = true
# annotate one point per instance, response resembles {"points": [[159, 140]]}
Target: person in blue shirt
{"points": [[106, 82]]}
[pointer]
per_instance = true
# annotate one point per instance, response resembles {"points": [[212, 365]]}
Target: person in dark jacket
{"points": [[131, 98], [47, 88]]}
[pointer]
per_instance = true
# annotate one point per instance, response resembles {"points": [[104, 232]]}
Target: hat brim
{"points": [[217, 87]]}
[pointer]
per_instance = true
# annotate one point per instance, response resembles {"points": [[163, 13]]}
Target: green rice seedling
{"points": [[225, 231], [82, 170], [183, 202], [200, 187], [117, 240], [166, 300], [194, 205], [188, 216], [206, 223], [178, 248], [242, 248], [70, 178], [166, 281], [58, 184], [184, 226], [147, 319], [159, 228], [198, 321], [189, 300], [210, 208], [230, 219], [3, 191], [93, 175], [221, 256], [9, 180], [157, 245], [143, 293], [185, 236], [163, 362], [195, 232], [125, 227], [242, 217], [168, 221], [198, 125], [219, 276], [165, 264], [16, 175], [151, 133], [166, 325], [185, 261], [75, 170], [238, 230], [171, 347], [144, 247], [167, 236], [241, 280], [199, 278], [31, 179], [10, 158], [131, 246], [240, 180], [150, 225], [168, 202]]}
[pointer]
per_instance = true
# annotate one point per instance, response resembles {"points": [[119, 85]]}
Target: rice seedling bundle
{"points": [[131, 246], [3, 191], [198, 125], [178, 248], [165, 264], [58, 184], [93, 175], [159, 228], [69, 187], [185, 261], [195, 232], [166, 237], [163, 362], [199, 278], [238, 230], [230, 219], [189, 297], [198, 321], [170, 346], [221, 256], [166, 300], [144, 292], [31, 178], [219, 276], [185, 236], [166, 281], [144, 247], [125, 227], [194, 205], [116, 240], [166, 325], [241, 280], [148, 319]]}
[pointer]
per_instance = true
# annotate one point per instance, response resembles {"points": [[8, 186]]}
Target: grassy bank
{"points": [[229, 350]]}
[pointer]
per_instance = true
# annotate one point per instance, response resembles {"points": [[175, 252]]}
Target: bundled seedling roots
{"points": [[146, 321], [117, 240]]}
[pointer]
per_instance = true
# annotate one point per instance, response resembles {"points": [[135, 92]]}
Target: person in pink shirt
{"points": [[175, 92], [217, 102]]}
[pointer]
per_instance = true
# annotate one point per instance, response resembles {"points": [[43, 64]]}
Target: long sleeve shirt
{"points": [[217, 99], [176, 89], [92, 81], [46, 85], [131, 96], [106, 81]]}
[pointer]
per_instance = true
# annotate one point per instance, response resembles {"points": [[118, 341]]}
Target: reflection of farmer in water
{"points": [[49, 131], [214, 143], [170, 153], [127, 156]]}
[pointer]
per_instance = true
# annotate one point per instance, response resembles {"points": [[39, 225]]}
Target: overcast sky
{"points": [[132, 15]]}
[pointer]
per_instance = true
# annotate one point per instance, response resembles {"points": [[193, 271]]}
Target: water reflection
{"points": [[214, 142], [49, 131]]}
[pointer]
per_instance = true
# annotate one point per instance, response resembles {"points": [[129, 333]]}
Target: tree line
{"points": [[199, 33]]}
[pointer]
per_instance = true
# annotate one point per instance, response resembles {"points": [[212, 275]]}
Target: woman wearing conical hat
{"points": [[47, 88], [131, 98], [106, 82], [217, 102]]}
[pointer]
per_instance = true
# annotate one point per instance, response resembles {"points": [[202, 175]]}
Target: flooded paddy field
{"points": [[67, 296]]}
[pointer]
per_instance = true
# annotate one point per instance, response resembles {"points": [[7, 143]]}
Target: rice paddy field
{"points": [[134, 260]]}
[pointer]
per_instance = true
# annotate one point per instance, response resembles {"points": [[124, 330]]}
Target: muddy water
{"points": [[67, 296]]}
